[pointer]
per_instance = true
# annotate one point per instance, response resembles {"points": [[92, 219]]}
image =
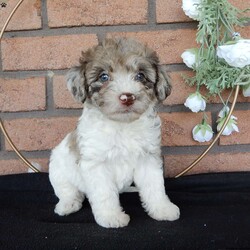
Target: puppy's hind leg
{"points": [[70, 198]]}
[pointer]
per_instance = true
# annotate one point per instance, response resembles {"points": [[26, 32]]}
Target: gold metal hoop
{"points": [[178, 175], [215, 139], [1, 123]]}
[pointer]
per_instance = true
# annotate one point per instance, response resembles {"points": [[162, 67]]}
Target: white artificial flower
{"points": [[246, 90], [224, 111], [231, 125], [189, 58], [202, 132], [190, 8], [195, 102], [237, 54]]}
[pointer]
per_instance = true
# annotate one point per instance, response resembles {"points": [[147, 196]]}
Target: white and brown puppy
{"points": [[117, 139]]}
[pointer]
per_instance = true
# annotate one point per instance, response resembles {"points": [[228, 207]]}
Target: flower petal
{"points": [[236, 55], [224, 111], [246, 91], [190, 8], [235, 127], [189, 59], [202, 133], [227, 131], [195, 102]]}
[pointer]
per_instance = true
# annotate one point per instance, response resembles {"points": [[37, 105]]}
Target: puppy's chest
{"points": [[124, 141], [118, 142]]}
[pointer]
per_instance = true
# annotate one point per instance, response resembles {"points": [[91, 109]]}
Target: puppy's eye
{"points": [[104, 77], [140, 77]]}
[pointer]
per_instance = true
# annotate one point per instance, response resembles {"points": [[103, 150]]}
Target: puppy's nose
{"points": [[127, 99]]}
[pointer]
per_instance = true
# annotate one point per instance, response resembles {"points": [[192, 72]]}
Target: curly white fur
{"points": [[111, 148]]}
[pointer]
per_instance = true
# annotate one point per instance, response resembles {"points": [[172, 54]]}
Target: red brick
{"points": [[177, 128], [38, 133], [169, 44], [181, 90], [242, 98], [39, 53], [241, 4], [22, 94], [27, 16], [225, 94], [60, 52], [244, 31], [169, 11], [16, 166], [62, 96], [223, 162], [99, 12], [243, 137]]}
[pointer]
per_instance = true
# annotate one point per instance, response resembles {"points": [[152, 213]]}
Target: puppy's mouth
{"points": [[119, 108], [125, 110], [124, 113]]}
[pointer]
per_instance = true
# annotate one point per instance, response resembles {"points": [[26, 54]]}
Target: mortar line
{"points": [[49, 93], [152, 12], [11, 155], [198, 149], [44, 15], [99, 29]]}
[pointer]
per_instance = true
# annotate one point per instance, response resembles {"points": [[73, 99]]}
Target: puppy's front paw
{"points": [[64, 208], [166, 211], [112, 220]]}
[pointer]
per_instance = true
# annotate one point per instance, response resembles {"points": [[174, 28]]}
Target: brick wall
{"points": [[45, 38]]}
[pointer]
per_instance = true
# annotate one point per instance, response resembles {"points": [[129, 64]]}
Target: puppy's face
{"points": [[121, 78]]}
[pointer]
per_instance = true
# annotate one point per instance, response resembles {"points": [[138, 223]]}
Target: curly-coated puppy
{"points": [[117, 139]]}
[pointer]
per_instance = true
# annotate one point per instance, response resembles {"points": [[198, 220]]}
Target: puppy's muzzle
{"points": [[127, 99]]}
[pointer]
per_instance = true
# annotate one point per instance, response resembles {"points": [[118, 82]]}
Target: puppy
{"points": [[117, 139]]}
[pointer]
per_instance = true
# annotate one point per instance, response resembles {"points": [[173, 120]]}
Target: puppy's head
{"points": [[120, 77]]}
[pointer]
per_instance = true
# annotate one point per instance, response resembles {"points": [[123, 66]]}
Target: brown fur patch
{"points": [[73, 145]]}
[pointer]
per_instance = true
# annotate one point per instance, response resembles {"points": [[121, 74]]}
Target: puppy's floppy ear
{"points": [[76, 83], [163, 86]]}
